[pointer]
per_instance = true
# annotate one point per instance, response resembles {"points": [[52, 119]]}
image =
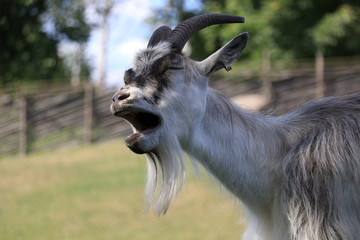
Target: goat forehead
{"points": [[144, 74], [148, 56]]}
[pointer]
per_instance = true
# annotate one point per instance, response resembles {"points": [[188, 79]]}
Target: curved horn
{"points": [[159, 35], [182, 33]]}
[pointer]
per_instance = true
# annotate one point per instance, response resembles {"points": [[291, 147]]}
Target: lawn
{"points": [[96, 192]]}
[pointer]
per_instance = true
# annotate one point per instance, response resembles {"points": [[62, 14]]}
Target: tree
{"points": [[104, 10], [30, 32], [289, 28], [305, 27], [338, 33]]}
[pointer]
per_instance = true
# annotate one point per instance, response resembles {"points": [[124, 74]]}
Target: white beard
{"points": [[168, 158]]}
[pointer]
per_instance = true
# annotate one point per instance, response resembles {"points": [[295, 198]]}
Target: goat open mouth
{"points": [[144, 122]]}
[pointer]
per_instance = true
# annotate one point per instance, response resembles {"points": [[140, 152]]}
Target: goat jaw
{"points": [[141, 143], [146, 126]]}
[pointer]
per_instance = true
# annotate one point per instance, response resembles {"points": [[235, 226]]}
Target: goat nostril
{"points": [[123, 96]]}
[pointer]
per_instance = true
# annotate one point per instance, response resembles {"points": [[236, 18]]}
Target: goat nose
{"points": [[120, 96]]}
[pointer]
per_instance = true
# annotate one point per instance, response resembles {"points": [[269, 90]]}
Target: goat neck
{"points": [[234, 146]]}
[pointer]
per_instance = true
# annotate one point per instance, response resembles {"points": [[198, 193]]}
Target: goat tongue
{"points": [[132, 141], [133, 138]]}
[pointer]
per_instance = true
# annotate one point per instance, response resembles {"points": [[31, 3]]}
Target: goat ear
{"points": [[226, 55]]}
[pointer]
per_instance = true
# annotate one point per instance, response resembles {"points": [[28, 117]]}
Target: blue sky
{"points": [[128, 33]]}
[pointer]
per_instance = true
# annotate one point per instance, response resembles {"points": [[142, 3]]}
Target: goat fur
{"points": [[298, 174]]}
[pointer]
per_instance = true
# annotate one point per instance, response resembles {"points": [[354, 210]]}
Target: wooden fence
{"points": [[60, 118], [294, 88], [65, 117], [288, 85]]}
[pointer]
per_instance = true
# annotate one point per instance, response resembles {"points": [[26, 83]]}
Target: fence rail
{"points": [[291, 91], [57, 119], [64, 117]]}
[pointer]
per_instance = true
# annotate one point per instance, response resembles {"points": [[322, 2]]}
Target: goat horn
{"points": [[182, 33], [159, 35]]}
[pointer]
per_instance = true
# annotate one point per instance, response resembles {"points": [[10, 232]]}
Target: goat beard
{"points": [[166, 160]]}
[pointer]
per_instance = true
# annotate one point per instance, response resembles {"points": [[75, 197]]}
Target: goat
{"points": [[298, 175]]}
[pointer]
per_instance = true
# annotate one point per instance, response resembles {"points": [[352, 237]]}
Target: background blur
{"points": [[60, 62]]}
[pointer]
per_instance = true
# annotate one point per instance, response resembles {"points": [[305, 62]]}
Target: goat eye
{"points": [[128, 76], [173, 69]]}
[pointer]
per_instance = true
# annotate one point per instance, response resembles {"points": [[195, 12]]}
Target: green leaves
{"points": [[334, 27], [288, 28], [68, 19], [30, 32]]}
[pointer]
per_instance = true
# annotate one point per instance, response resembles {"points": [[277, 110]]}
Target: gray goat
{"points": [[298, 175]]}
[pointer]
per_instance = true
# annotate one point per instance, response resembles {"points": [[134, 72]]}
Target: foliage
{"points": [[304, 27], [290, 28], [338, 32], [30, 32], [68, 20]]}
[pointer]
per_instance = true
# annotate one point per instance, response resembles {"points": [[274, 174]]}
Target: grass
{"points": [[96, 192]]}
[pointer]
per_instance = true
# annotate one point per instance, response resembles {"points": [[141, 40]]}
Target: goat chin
{"points": [[168, 158], [143, 142]]}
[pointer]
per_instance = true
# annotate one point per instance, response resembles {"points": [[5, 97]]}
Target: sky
{"points": [[128, 32]]}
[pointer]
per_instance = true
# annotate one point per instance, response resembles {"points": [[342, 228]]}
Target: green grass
{"points": [[96, 192]]}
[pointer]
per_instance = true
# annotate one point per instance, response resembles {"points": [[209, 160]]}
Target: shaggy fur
{"points": [[298, 175], [321, 170]]}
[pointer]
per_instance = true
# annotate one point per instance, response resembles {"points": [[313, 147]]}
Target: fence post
{"points": [[22, 125], [88, 112], [319, 75], [265, 75]]}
